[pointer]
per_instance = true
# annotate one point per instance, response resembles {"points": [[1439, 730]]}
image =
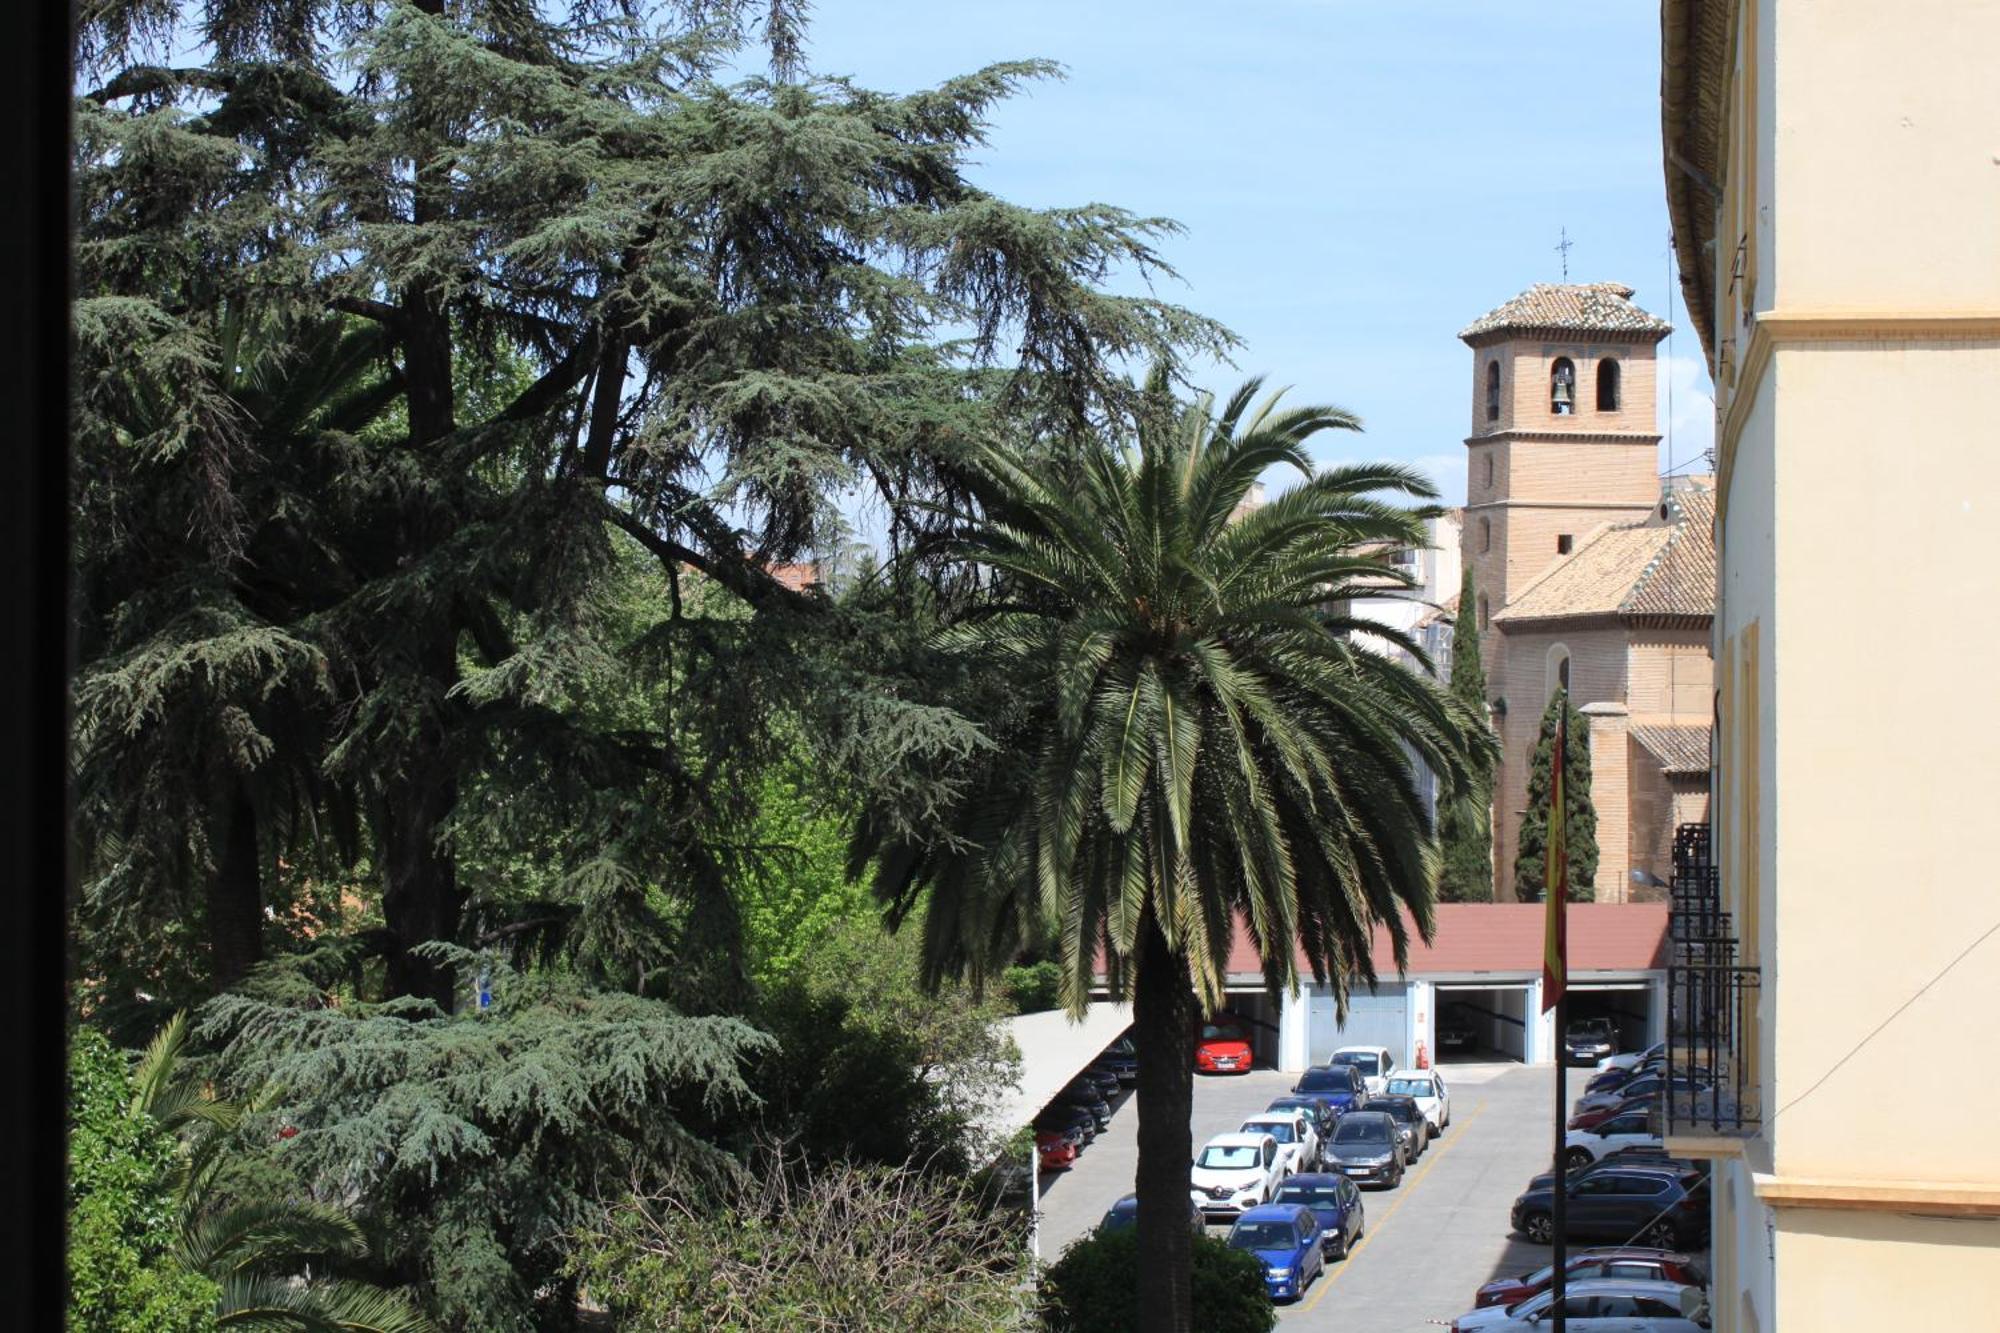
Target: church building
{"points": [[1590, 571]]}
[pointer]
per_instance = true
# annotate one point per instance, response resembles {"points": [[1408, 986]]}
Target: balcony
{"points": [[1712, 1088]]}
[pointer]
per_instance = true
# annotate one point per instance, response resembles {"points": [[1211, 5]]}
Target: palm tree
{"points": [[254, 1250], [1189, 741]]}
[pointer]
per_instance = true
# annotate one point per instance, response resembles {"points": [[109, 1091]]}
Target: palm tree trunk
{"points": [[1163, 1017]]}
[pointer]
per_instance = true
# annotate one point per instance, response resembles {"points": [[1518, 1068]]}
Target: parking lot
{"points": [[1429, 1243]]}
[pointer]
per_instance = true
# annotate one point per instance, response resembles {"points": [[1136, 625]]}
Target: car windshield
{"points": [[1324, 1080], [1281, 1130], [1410, 1087], [1361, 1131], [1367, 1064], [1264, 1236], [1229, 1157], [1221, 1032], [1589, 1027], [1292, 1192]]}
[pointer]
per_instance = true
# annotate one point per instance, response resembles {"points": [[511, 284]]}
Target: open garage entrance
{"points": [[1261, 1017], [1628, 1005], [1496, 1016]]}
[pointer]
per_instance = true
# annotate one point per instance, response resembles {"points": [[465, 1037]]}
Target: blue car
{"points": [[1285, 1237], [1336, 1204], [1340, 1088]]}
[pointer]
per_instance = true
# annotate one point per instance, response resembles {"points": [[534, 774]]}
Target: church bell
{"points": [[1562, 395]]}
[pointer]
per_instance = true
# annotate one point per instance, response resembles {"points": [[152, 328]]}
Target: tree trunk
{"points": [[1163, 1017], [421, 900], [235, 900]]}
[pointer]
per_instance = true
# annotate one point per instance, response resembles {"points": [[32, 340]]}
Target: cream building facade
{"points": [[1833, 176], [1590, 573]]}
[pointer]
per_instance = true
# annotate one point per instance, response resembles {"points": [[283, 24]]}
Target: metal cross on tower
{"points": [[1562, 247]]}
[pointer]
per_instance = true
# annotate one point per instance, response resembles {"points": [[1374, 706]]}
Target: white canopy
{"points": [[1054, 1050]]}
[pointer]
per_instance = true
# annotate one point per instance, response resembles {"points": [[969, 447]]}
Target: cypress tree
{"points": [[1582, 816], [1465, 825]]}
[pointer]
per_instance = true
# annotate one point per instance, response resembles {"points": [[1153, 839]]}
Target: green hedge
{"points": [[1094, 1288]]}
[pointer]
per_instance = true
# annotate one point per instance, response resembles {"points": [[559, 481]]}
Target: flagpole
{"points": [[1559, 1192], [1555, 993]]}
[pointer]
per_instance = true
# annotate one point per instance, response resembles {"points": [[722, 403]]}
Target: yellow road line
{"points": [[1402, 1195]]}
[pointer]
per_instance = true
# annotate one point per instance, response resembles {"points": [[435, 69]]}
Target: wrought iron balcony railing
{"points": [[1711, 1003]]}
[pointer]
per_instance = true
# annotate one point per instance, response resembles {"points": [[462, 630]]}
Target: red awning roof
{"points": [[1507, 937]]}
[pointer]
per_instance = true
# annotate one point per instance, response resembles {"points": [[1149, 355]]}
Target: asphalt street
{"points": [[1429, 1243]]}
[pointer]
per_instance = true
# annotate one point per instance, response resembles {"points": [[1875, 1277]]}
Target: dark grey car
{"points": [[1410, 1121], [1367, 1147]]}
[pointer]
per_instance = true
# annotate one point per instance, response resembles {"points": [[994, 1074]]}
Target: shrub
{"points": [[1033, 988], [791, 1247], [1094, 1288], [123, 1277]]}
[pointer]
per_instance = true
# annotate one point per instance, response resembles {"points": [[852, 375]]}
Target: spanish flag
{"points": [[1555, 875]]}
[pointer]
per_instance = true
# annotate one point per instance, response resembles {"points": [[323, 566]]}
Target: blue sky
{"points": [[1358, 179]]}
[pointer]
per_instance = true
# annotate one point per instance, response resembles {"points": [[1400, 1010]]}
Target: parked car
{"points": [[1658, 1050], [1625, 1262], [1298, 1141], [1410, 1123], [1374, 1062], [1427, 1086], [1341, 1088], [1335, 1201], [1223, 1047], [1121, 1057], [1643, 1086], [1124, 1215], [1646, 1157], [1086, 1098], [1633, 1206], [1600, 1305], [1102, 1081], [1068, 1118], [1324, 1116], [1057, 1149], [1588, 1040], [1285, 1238], [1456, 1031], [1587, 1145], [1597, 1115], [1235, 1172], [1367, 1147], [1604, 1080]]}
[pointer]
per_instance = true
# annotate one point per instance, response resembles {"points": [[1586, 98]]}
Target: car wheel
{"points": [[1577, 1157], [1660, 1234], [1539, 1228]]}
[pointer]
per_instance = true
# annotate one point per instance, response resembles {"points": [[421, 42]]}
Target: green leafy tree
{"points": [[736, 303], [474, 1144], [1182, 739], [1093, 1287], [1531, 858], [124, 1276], [1465, 825]]}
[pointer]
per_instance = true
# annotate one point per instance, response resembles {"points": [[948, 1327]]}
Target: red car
{"points": [[1057, 1150], [1588, 1119], [1223, 1047], [1608, 1261]]}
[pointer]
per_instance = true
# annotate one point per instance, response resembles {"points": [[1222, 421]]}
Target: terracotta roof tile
{"points": [[1681, 749], [1507, 937], [1661, 567], [1585, 307], [1680, 581]]}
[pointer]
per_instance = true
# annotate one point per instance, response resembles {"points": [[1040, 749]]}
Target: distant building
{"points": [[1590, 574]]}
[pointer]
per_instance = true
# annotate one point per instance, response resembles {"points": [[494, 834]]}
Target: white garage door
{"points": [[1381, 1019]]}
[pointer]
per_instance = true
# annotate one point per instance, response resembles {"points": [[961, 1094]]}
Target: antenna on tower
{"points": [[1562, 247]]}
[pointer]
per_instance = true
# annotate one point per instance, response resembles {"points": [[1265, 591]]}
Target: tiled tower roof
{"points": [[1582, 307]]}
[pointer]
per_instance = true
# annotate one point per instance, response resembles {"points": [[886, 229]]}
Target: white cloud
{"points": [[1686, 415]]}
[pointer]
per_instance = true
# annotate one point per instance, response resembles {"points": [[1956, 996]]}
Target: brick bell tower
{"points": [[1563, 437]]}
